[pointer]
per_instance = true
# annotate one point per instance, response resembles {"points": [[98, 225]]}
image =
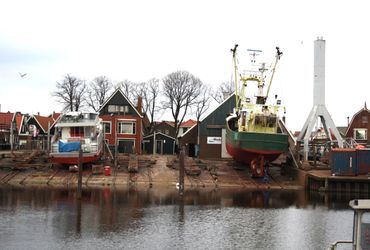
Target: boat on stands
{"points": [[76, 130], [253, 135]]}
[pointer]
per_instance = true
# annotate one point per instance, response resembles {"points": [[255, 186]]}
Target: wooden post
{"points": [[182, 171], [11, 136], [154, 144], [48, 142], [79, 184], [115, 144]]}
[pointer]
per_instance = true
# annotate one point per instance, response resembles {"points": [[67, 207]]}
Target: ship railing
{"points": [[350, 143], [334, 245], [97, 143], [93, 146]]}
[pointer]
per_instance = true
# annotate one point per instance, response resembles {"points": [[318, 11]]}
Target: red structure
{"points": [[123, 123], [359, 127]]}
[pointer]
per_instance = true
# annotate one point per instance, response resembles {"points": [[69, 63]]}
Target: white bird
{"points": [[22, 75]]}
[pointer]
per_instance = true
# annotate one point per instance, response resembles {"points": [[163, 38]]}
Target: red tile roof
{"points": [[18, 120], [55, 116], [44, 121], [188, 124], [6, 120]]}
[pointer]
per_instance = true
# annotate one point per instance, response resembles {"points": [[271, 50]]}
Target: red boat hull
{"points": [[72, 159], [247, 155]]}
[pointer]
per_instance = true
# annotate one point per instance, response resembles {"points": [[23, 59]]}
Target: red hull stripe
{"points": [[247, 155]]}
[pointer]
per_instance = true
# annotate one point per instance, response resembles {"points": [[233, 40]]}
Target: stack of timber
{"points": [[20, 160], [133, 164], [192, 167]]}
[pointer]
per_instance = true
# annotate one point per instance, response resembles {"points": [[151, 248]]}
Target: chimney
{"points": [[140, 104], [38, 113]]}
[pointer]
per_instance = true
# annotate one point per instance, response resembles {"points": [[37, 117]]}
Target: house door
{"points": [[191, 150], [159, 147], [126, 146]]}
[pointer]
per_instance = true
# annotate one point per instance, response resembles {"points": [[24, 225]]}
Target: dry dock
{"points": [[151, 171], [159, 170]]}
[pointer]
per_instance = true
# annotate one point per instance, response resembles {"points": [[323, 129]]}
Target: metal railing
{"points": [[333, 246], [92, 147]]}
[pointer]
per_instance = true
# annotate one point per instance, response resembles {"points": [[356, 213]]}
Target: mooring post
{"points": [[182, 171], [79, 185]]}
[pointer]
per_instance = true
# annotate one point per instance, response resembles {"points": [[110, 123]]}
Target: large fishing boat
{"points": [[253, 135], [76, 130]]}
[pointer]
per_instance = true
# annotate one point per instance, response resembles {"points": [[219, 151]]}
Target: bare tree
{"points": [[128, 88], [149, 91], [180, 90], [70, 93], [201, 105], [223, 91], [98, 91]]}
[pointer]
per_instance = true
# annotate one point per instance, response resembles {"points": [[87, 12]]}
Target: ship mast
{"points": [[277, 58], [235, 77]]}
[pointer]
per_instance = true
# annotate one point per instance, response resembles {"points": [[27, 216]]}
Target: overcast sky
{"points": [[138, 40]]}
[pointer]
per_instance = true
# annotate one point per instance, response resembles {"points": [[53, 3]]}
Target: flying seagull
{"points": [[22, 75]]}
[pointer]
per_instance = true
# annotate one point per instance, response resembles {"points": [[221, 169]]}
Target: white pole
{"points": [[154, 144]]}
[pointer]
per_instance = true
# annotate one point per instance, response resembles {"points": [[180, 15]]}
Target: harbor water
{"points": [[157, 218]]}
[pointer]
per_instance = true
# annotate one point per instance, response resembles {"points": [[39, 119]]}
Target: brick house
{"points": [[123, 123]]}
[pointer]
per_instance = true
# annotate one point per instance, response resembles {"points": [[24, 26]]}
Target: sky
{"points": [[138, 40]]}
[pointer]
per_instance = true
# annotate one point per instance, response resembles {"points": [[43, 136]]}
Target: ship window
{"points": [[260, 120], [77, 132], [360, 133], [271, 122], [265, 121], [127, 128]]}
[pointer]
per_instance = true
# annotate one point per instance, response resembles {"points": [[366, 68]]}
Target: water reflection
{"points": [[159, 218]]}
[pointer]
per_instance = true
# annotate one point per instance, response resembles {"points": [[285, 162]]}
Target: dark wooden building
{"points": [[212, 133], [359, 126], [165, 144], [165, 127], [123, 123]]}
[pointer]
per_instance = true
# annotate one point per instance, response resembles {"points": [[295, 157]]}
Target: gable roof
{"points": [[219, 105], [44, 121], [147, 136], [187, 124], [169, 123], [6, 120], [55, 116], [355, 115], [118, 90], [19, 121]]}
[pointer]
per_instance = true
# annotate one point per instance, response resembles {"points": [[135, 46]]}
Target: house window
{"points": [[127, 128], [364, 119], [117, 108], [184, 130], [107, 127], [77, 132], [360, 133], [167, 132]]}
